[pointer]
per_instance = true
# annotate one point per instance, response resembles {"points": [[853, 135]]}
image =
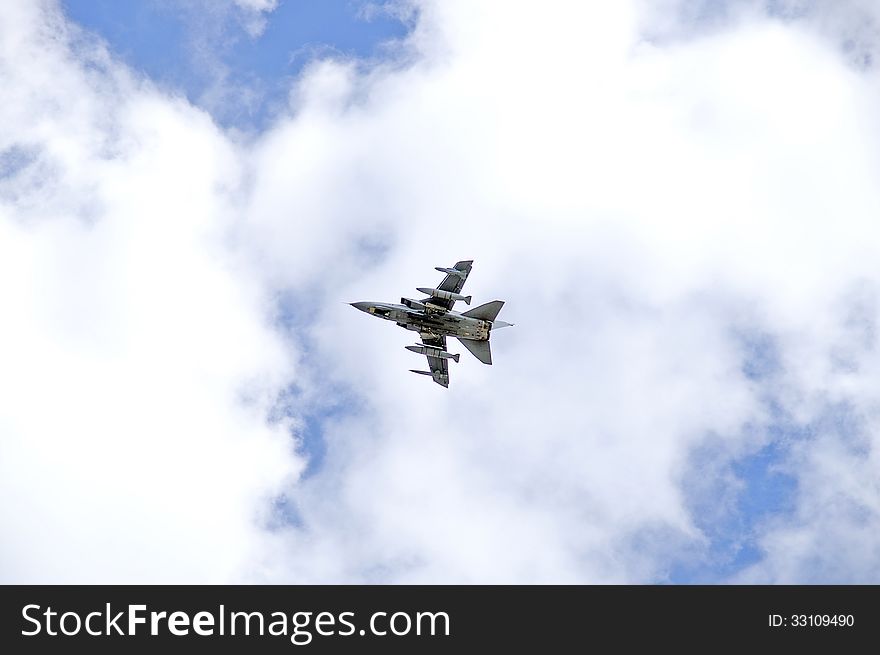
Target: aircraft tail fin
{"points": [[479, 349], [486, 312]]}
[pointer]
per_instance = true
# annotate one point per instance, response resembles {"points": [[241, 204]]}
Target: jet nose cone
{"points": [[363, 306]]}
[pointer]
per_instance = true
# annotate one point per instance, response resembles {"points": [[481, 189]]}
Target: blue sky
{"points": [[678, 204], [166, 41]]}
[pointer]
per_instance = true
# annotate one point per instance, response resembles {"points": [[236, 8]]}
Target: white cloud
{"points": [[640, 206], [641, 203], [137, 360], [254, 14], [257, 5]]}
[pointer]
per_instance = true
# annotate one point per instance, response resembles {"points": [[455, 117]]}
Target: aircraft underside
{"points": [[434, 320], [467, 329]]}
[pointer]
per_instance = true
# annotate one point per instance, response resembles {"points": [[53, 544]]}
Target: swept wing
{"points": [[452, 283], [439, 366]]}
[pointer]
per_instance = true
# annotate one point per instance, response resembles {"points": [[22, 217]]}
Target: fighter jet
{"points": [[434, 320]]}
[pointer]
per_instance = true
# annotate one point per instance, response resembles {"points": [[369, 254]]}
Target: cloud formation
{"points": [[138, 360], [650, 208], [679, 212]]}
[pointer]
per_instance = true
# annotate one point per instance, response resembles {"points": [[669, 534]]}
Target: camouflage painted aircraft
{"points": [[434, 319]]}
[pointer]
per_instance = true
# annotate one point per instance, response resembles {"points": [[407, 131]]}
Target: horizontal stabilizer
{"points": [[486, 312], [479, 349]]}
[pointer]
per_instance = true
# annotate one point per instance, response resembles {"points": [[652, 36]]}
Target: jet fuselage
{"points": [[441, 323]]}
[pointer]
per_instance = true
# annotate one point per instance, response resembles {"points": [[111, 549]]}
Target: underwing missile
{"points": [[445, 295], [432, 351], [450, 271]]}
